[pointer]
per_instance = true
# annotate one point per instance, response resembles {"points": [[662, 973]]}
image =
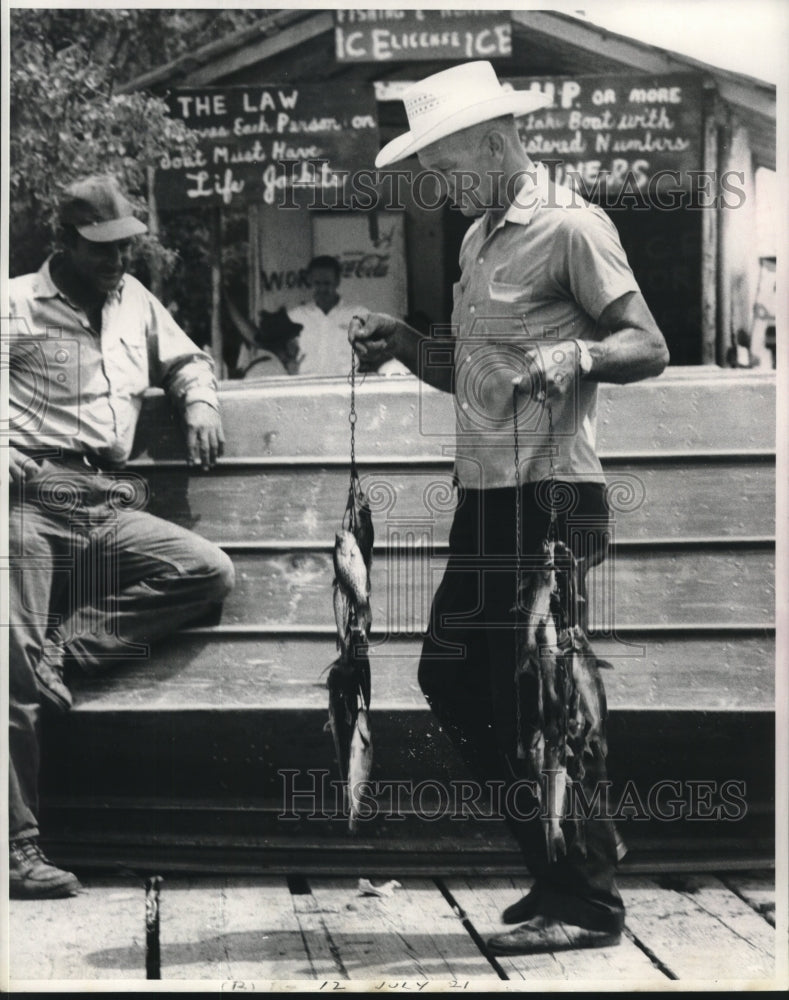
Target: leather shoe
{"points": [[545, 901], [31, 875], [542, 935], [51, 686], [525, 909]]}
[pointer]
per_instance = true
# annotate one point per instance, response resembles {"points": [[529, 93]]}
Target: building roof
{"points": [[551, 43], [751, 39]]}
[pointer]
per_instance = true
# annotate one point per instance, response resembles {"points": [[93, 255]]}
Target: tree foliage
{"points": [[68, 120]]}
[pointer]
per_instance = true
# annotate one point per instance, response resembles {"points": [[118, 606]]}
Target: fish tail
{"points": [[554, 840]]}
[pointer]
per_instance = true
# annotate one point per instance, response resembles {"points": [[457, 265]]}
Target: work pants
{"points": [[93, 579], [467, 673]]}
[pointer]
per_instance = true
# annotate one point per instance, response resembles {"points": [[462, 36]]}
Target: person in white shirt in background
{"points": [[323, 341]]}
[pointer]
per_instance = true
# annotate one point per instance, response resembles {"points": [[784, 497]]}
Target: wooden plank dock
{"points": [[429, 934]]}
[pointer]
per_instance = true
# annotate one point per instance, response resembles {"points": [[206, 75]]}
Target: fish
{"points": [[352, 576], [530, 719], [533, 611], [555, 697], [363, 529], [545, 691], [359, 767], [360, 664], [537, 760], [560, 695], [592, 705], [565, 598], [577, 728], [535, 596], [342, 615], [554, 781], [343, 687]]}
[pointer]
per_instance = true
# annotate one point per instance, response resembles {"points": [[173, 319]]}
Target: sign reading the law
{"points": [[615, 133], [266, 143], [391, 35]]}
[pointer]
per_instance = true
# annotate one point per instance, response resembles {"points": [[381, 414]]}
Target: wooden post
{"points": [[153, 962], [737, 253], [253, 263], [709, 243], [216, 294], [153, 229]]}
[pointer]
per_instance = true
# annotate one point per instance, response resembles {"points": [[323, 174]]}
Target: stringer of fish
{"points": [[349, 680], [560, 695]]}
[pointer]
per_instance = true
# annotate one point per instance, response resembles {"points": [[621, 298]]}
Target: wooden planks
{"points": [[682, 410], [483, 901], [98, 934], [413, 934], [695, 587], [281, 672], [232, 929], [283, 503], [266, 930], [701, 931], [758, 891]]}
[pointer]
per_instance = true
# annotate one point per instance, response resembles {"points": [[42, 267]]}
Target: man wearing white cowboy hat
{"points": [[547, 306]]}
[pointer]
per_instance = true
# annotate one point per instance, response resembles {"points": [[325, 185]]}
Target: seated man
{"points": [[85, 341]]}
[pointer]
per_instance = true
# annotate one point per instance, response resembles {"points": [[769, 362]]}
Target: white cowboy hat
{"points": [[452, 100]]}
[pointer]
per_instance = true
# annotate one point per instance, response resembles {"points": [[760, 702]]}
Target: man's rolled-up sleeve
{"points": [[182, 368]]}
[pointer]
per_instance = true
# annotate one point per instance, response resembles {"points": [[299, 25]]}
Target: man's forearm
{"points": [[430, 360], [627, 356], [634, 349]]}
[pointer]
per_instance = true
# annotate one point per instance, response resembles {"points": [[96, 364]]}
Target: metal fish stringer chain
{"points": [[352, 418], [349, 677], [553, 530], [518, 543]]}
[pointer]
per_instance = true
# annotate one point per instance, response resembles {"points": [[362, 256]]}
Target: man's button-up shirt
{"points": [[323, 341], [543, 275], [71, 387]]}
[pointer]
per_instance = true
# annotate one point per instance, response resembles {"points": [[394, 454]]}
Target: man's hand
{"points": [[370, 335], [205, 441], [550, 369], [16, 466]]}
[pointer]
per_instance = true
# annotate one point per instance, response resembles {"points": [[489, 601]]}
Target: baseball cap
{"points": [[98, 210]]}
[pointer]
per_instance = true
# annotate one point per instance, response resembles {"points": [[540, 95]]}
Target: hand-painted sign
{"points": [[264, 143], [405, 35], [617, 131]]}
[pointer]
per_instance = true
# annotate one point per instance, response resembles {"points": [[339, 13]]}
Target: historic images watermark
{"points": [[314, 185], [312, 795]]}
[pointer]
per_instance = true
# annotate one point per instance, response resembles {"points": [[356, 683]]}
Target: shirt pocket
{"points": [[131, 365], [508, 294]]}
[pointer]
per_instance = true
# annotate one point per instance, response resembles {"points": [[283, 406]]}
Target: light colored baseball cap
{"points": [[98, 210], [452, 100]]}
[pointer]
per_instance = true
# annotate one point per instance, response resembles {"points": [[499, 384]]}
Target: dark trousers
{"points": [[93, 579], [467, 674]]}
